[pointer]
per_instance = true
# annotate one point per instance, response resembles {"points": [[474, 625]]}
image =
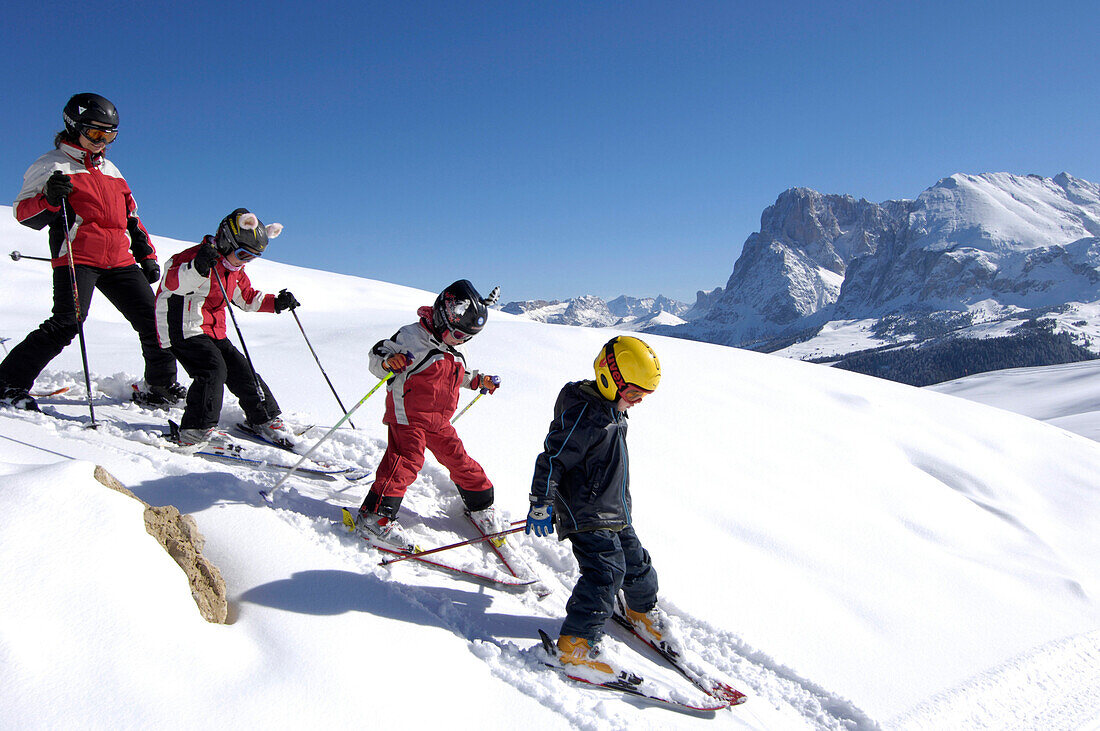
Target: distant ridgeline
{"points": [[933, 361], [630, 313], [980, 272]]}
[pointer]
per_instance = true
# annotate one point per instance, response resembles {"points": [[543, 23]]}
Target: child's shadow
{"points": [[333, 592]]}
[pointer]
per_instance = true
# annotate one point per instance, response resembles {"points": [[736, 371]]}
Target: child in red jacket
{"points": [[421, 398], [191, 313]]}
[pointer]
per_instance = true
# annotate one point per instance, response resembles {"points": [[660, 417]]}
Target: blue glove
{"points": [[540, 519]]}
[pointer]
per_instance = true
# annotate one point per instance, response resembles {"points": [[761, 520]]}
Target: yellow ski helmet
{"points": [[626, 360]]}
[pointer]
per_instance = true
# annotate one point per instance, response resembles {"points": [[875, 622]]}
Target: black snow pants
{"points": [[215, 364], [126, 288], [608, 560]]}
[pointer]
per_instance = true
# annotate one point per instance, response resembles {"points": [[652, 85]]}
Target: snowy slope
{"points": [[848, 551], [1067, 396]]}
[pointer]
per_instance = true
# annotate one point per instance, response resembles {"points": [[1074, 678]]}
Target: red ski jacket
{"points": [[189, 304], [426, 393], [103, 223]]}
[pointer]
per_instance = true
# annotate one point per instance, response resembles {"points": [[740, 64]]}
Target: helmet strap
{"points": [[613, 367]]}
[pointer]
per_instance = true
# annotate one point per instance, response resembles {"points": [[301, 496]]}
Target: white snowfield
{"points": [[849, 552]]}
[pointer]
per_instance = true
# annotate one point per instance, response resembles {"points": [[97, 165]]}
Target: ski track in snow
{"points": [[1055, 686], [431, 512]]}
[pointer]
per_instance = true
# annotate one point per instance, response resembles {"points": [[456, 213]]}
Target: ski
{"points": [[235, 454], [627, 683], [264, 464], [351, 473], [47, 394], [498, 582], [513, 564], [697, 677]]}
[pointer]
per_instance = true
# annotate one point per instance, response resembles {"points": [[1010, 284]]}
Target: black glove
{"points": [[205, 259], [58, 186], [285, 301], [151, 270]]}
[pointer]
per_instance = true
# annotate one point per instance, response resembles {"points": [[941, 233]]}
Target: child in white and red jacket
{"points": [[191, 304], [421, 398]]}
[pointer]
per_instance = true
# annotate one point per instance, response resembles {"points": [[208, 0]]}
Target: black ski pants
{"points": [[215, 364], [608, 561], [126, 288]]}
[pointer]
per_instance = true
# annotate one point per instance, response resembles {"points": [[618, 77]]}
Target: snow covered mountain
{"points": [[628, 313], [971, 250], [852, 553]]}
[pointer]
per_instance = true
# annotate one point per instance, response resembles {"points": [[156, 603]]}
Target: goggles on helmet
{"points": [[459, 335], [105, 135]]}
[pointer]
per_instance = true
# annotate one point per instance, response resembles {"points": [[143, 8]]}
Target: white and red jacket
{"points": [[426, 393], [189, 304], [103, 223]]}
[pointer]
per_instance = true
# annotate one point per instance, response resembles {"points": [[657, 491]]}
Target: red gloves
{"points": [[485, 383], [396, 363]]}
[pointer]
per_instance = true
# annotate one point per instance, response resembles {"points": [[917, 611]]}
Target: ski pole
{"points": [[496, 380], [76, 306], [422, 554], [269, 495], [311, 350], [16, 256], [2, 341], [247, 357]]}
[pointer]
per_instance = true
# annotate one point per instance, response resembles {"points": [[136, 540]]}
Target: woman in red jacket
{"points": [[77, 188]]}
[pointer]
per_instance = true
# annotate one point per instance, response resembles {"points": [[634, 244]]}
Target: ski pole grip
{"points": [[496, 382]]}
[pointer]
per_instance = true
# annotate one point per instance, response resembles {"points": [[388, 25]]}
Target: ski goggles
{"points": [[244, 255], [633, 394], [105, 135], [460, 336]]}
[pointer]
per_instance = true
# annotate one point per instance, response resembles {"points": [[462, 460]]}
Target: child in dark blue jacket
{"points": [[581, 487]]}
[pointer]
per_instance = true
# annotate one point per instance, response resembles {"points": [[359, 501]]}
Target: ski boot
{"points": [[159, 396], [576, 651], [17, 398], [652, 626], [383, 532], [488, 521], [212, 439], [276, 432]]}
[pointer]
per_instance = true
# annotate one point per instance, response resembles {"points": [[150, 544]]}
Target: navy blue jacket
{"points": [[584, 466]]}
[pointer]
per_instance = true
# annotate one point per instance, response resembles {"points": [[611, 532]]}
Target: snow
{"points": [[850, 552], [1000, 212], [836, 338], [1067, 396]]}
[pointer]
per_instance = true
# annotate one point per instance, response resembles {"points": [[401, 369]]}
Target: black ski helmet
{"points": [[241, 229], [459, 307], [86, 108]]}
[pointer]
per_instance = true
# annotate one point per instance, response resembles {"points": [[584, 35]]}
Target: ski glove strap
{"points": [[540, 519]]}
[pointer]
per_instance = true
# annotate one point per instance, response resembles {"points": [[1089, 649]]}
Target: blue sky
{"points": [[554, 148]]}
